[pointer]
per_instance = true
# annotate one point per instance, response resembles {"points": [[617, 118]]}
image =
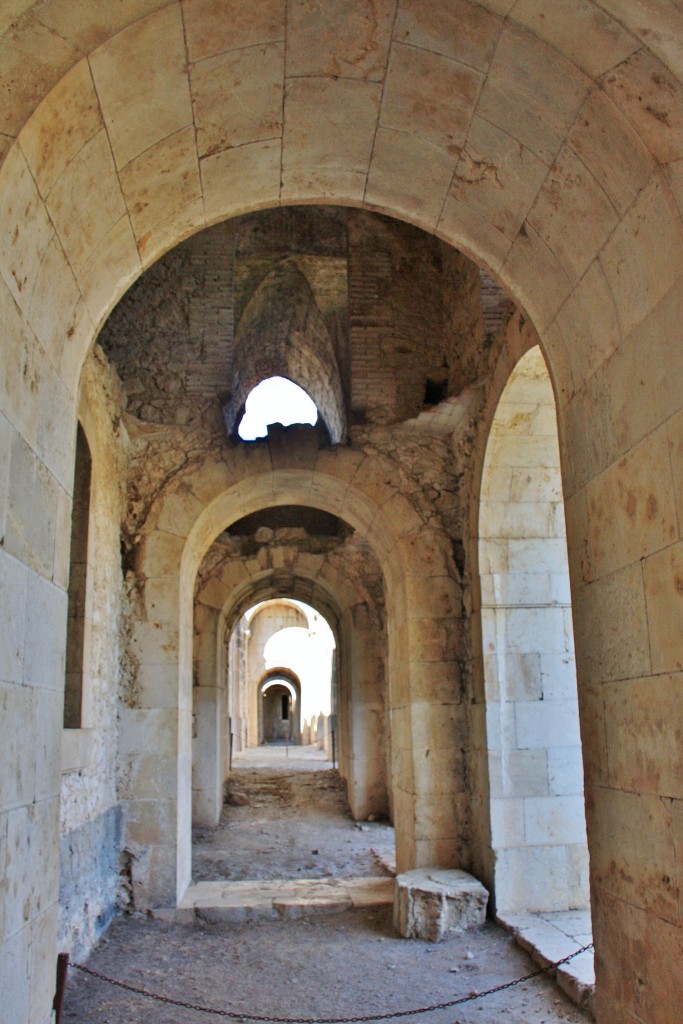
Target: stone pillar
{"points": [[207, 732]]}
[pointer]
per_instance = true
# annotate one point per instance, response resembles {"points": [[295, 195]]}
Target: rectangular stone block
{"points": [[407, 173], [17, 709], [663, 575], [655, 990], [555, 820], [528, 556], [21, 251], [640, 873], [547, 724], [535, 878], [42, 964], [511, 677], [15, 977], [525, 773], [430, 903], [139, 111], [507, 822], [46, 615], [638, 286], [631, 507], [558, 676], [533, 630], [610, 618], [565, 771], [572, 213], [644, 727]]}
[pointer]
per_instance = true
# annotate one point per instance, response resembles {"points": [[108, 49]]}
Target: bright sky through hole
{"points": [[275, 400]]}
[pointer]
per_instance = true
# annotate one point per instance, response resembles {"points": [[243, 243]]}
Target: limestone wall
{"points": [[538, 828], [92, 854], [544, 140]]}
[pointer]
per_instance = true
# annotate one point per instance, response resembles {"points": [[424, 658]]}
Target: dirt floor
{"points": [[287, 817], [327, 966]]}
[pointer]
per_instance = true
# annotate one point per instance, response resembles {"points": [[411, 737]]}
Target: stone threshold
{"points": [[549, 937], [287, 898]]}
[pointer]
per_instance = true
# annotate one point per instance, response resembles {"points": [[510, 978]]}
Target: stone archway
{"points": [[279, 708], [534, 748], [562, 179]]}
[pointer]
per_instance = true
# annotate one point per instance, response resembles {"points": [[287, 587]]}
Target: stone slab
{"points": [[430, 903], [548, 938], [235, 902]]}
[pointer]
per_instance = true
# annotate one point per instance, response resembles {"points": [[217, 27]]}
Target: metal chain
{"points": [[235, 1015]]}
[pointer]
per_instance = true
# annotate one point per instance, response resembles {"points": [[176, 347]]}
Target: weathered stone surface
{"points": [[431, 902], [597, 267]]}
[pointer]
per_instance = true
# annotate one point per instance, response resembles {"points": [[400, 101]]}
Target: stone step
{"points": [[238, 902], [550, 937], [258, 787]]}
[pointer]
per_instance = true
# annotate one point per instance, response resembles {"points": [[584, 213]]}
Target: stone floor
{"points": [[261, 839], [292, 945]]}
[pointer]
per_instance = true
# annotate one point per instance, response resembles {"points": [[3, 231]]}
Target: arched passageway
{"points": [[538, 830], [546, 147]]}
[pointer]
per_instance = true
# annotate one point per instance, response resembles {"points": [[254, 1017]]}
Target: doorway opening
{"points": [[538, 828]]}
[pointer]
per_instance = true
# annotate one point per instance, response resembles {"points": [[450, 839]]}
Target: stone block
{"points": [[565, 771], [13, 593], [631, 507], [420, 82], [141, 81], [61, 126], [17, 710], [523, 71], [663, 574], [46, 615], [644, 729], [15, 978], [113, 265], [51, 320], [33, 491], [318, 158], [161, 183], [48, 718], [572, 213], [588, 36], [409, 174], [21, 250], [459, 221], [650, 96], [555, 820], [642, 873], [79, 225], [558, 676], [547, 724], [430, 903], [507, 822], [525, 773], [637, 279], [349, 41], [529, 556], [531, 630], [237, 97], [42, 964], [611, 619], [537, 878], [512, 677]]}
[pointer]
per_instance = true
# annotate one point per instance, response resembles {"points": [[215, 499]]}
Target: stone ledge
{"points": [[237, 902], [430, 903], [546, 943]]}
